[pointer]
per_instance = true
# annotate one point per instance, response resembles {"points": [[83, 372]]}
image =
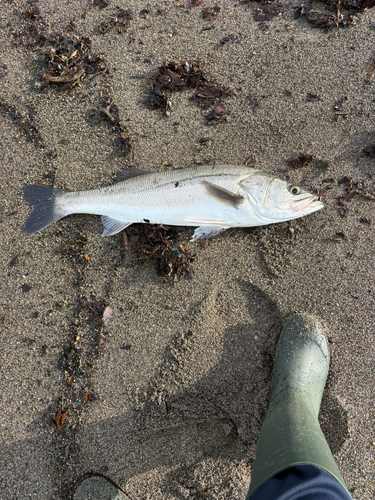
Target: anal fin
{"points": [[204, 232], [113, 226]]}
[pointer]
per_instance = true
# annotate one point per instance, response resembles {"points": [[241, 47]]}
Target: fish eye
{"points": [[294, 189]]}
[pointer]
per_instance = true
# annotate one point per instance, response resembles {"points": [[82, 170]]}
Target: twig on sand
{"points": [[106, 111], [66, 78]]}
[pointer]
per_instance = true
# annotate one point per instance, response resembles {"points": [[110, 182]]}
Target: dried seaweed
{"points": [[206, 93], [110, 113], [102, 4], [34, 33], [27, 125], [300, 161], [70, 60], [319, 19], [339, 13], [124, 143], [353, 188], [218, 115], [75, 248], [154, 244], [120, 22], [174, 76], [60, 417], [268, 10]]}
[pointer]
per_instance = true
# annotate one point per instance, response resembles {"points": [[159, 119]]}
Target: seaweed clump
{"points": [[154, 244], [173, 76]]}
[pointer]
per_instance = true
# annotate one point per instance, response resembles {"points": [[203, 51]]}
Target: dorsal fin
{"points": [[128, 173], [223, 195]]}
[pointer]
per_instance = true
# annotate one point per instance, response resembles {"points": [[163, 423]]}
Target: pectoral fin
{"points": [[223, 195], [113, 226], [204, 232]]}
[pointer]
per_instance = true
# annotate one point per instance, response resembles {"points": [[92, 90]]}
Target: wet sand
{"points": [[167, 400]]}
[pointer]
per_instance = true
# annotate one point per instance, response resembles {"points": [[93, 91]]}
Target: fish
{"points": [[210, 198]]}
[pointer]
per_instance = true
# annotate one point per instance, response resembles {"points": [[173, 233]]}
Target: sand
{"points": [[170, 404]]}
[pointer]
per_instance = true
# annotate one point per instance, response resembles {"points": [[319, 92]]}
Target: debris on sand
{"points": [[69, 60], [34, 32], [310, 97], [338, 13], [205, 93], [339, 108], [110, 112], [120, 22], [269, 10], [60, 417], [27, 125], [87, 395], [321, 192], [370, 70], [353, 188], [363, 193], [75, 249], [154, 244], [253, 102], [173, 76], [365, 220], [339, 236], [369, 151], [102, 4], [210, 13], [107, 316], [250, 161], [124, 143], [218, 115], [300, 161], [319, 19]]}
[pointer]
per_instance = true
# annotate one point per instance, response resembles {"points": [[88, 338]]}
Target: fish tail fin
{"points": [[46, 207]]}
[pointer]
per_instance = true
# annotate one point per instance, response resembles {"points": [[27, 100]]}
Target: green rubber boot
{"points": [[291, 433], [98, 488]]}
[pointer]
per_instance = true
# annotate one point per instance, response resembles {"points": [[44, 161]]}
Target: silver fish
{"points": [[211, 198]]}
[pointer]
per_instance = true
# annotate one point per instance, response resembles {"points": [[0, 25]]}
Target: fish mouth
{"points": [[308, 203]]}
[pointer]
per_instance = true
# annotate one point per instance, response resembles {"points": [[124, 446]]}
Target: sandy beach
{"points": [[166, 397]]}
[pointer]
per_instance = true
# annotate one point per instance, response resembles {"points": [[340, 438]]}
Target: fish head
{"points": [[275, 200]]}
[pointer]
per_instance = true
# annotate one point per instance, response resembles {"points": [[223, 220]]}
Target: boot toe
{"points": [[302, 360], [98, 488]]}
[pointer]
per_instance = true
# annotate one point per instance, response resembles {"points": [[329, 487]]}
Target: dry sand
{"points": [[204, 344]]}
